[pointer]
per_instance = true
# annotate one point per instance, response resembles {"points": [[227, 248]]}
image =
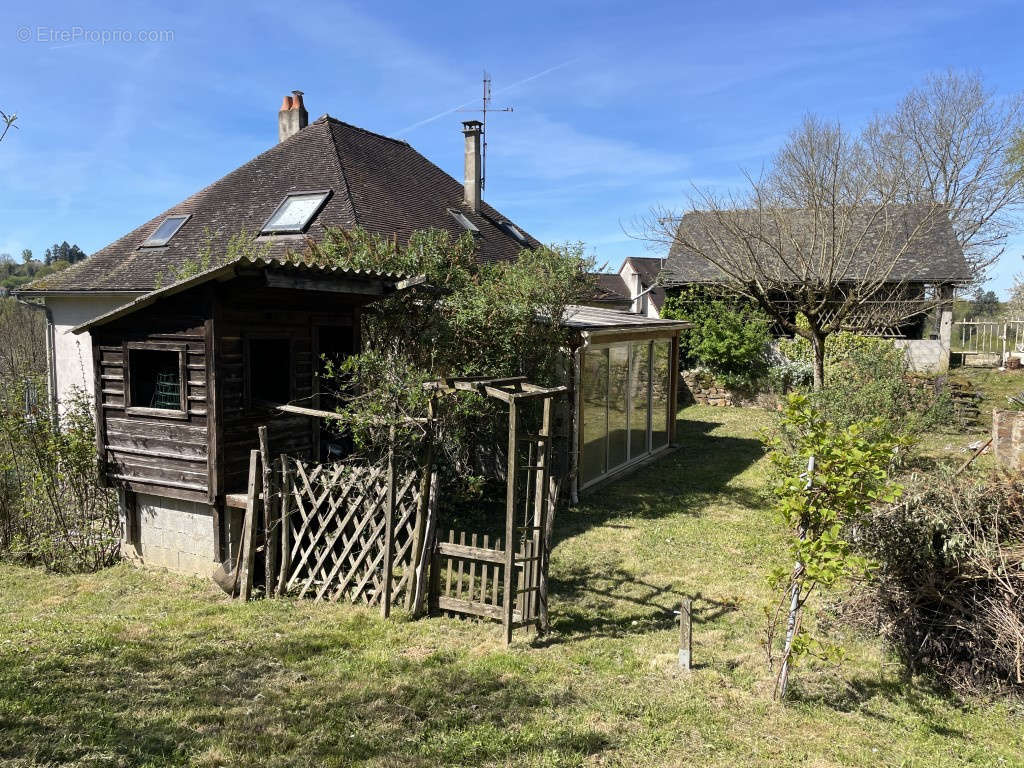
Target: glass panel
{"points": [[660, 393], [594, 389], [295, 212], [165, 231], [639, 396], [618, 387]]}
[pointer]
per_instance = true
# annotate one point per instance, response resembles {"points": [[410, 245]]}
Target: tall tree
{"points": [[954, 141], [984, 303], [26, 255], [815, 240]]}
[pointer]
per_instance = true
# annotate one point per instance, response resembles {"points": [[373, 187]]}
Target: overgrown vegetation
{"points": [[868, 379], [730, 336], [467, 319], [240, 245], [949, 587], [52, 512]]}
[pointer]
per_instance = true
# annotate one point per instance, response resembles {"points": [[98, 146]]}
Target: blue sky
{"points": [[618, 106]]}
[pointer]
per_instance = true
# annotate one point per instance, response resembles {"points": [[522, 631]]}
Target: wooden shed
{"points": [[185, 374]]}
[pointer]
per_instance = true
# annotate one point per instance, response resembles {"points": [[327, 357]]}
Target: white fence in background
{"points": [[988, 341]]}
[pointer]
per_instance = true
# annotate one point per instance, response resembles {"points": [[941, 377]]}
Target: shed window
{"points": [[270, 371], [168, 228], [155, 379], [295, 212]]}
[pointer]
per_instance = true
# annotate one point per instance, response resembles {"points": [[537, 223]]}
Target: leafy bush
{"points": [[867, 378], [950, 578], [730, 336], [52, 512], [468, 319]]}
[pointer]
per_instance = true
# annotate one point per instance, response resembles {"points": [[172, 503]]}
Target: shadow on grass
{"points": [[682, 482], [593, 602], [197, 697], [852, 694]]}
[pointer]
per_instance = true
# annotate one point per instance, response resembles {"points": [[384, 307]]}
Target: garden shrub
{"points": [[52, 511], [950, 578], [866, 378], [730, 336]]}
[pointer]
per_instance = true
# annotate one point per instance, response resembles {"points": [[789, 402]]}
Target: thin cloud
{"points": [[503, 89]]}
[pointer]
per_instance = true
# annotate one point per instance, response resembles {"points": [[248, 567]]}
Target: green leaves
{"points": [[826, 479]]}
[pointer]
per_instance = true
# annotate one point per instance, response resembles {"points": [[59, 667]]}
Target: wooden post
{"points": [[269, 548], [426, 467], [554, 492], [247, 544], [428, 547], [510, 516], [286, 526], [540, 515], [686, 634], [389, 531]]}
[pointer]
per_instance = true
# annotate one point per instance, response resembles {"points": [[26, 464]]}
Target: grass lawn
{"points": [[129, 667]]}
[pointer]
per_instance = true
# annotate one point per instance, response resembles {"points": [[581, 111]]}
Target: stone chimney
{"points": [[293, 116], [473, 131]]}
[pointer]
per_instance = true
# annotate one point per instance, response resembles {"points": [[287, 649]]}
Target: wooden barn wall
{"points": [[247, 309], [153, 453]]}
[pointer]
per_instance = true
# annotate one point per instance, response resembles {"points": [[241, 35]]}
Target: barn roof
{"points": [[375, 182], [933, 256]]}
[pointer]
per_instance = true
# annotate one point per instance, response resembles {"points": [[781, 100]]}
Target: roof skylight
{"points": [[513, 230], [167, 229], [464, 220], [295, 212]]}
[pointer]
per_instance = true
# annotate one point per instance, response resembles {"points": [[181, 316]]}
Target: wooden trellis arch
{"points": [[519, 571]]}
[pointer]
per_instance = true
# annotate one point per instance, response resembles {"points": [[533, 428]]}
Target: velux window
{"points": [[155, 379], [464, 220], [513, 230], [295, 212], [168, 228]]}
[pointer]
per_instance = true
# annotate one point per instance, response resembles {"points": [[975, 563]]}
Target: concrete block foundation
{"points": [[171, 533]]}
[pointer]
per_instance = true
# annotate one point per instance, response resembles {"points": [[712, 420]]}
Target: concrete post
{"points": [[945, 324]]}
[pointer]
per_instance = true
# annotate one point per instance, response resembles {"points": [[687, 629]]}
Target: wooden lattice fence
{"points": [[347, 530]]}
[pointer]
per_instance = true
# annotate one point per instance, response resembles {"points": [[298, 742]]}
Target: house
{"points": [[184, 370], [930, 263], [634, 287]]}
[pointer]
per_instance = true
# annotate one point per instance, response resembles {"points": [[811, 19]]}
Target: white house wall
{"points": [[629, 276], [73, 354]]}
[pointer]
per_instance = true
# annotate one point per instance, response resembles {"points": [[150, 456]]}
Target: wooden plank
{"points": [[158, 482], [389, 530], [269, 548], [457, 605], [471, 553], [143, 452], [511, 505], [286, 524], [428, 544], [249, 529]]}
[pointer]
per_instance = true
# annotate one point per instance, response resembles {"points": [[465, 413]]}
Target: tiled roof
{"points": [[379, 183], [933, 256], [610, 287]]}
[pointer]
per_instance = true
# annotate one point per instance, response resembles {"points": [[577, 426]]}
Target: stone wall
{"points": [[1008, 438], [698, 387]]}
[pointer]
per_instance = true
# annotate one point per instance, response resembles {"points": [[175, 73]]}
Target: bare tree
{"points": [[822, 233], [953, 141]]}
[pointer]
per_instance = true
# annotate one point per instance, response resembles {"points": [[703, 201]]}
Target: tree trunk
{"points": [[818, 352]]}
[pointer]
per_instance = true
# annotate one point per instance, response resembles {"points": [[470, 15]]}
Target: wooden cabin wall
{"points": [[151, 453], [247, 309]]}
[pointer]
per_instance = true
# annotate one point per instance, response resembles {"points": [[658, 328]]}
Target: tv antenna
{"points": [[484, 109]]}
